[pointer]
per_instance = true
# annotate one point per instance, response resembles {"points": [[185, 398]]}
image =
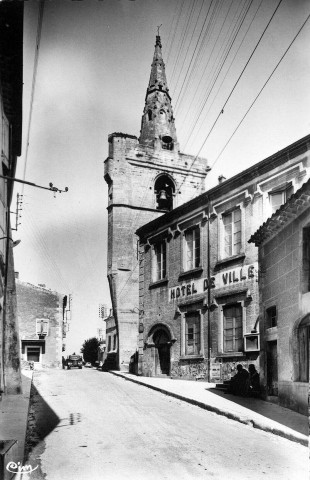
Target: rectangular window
{"points": [[114, 342], [160, 261], [42, 326], [279, 196], [33, 354], [306, 260], [232, 233], [192, 333], [109, 343], [232, 328], [271, 317], [192, 249]]}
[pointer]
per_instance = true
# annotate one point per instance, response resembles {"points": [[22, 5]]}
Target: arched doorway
{"points": [[304, 348], [162, 346]]}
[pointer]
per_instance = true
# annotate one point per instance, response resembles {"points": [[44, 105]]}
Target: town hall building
{"points": [[199, 291], [146, 177]]}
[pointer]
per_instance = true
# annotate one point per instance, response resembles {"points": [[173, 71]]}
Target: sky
{"points": [[93, 69]]}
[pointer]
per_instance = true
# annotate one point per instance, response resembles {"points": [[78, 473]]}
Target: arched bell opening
{"points": [[164, 189], [167, 142]]}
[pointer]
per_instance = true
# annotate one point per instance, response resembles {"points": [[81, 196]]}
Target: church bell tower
{"points": [[146, 177]]}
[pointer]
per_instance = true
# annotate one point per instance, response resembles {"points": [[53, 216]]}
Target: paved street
{"points": [[101, 426]]}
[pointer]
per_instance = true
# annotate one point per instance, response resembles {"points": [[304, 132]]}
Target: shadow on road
{"points": [[42, 420], [279, 414]]}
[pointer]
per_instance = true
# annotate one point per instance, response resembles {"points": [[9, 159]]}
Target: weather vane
{"points": [[158, 29]]}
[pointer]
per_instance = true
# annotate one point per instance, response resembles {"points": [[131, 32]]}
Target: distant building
{"points": [[199, 298], [146, 178], [11, 90], [111, 344], [103, 310], [43, 323], [101, 352], [284, 257]]}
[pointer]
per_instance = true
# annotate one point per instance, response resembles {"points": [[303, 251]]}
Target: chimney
{"points": [[221, 179]]}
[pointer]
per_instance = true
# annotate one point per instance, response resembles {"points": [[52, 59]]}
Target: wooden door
{"points": [[272, 368]]}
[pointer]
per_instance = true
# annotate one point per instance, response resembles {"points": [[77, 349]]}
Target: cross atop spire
{"points": [[157, 127]]}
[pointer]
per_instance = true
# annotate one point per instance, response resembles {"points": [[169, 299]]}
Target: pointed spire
{"points": [[157, 126]]}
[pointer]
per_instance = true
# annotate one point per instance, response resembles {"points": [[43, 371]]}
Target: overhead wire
{"points": [[239, 78], [200, 52], [185, 31], [234, 87], [175, 30], [33, 86], [232, 61], [259, 93], [220, 67], [195, 49], [189, 44]]}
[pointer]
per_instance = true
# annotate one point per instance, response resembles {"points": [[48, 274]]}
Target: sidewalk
{"points": [[14, 415], [250, 411]]}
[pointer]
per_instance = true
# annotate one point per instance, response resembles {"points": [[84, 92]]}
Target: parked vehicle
{"points": [[87, 364], [74, 361]]}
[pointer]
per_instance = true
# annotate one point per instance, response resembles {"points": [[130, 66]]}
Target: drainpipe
{"points": [[5, 288], [209, 294]]}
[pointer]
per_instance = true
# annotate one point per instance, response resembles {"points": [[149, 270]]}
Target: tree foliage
{"points": [[90, 350]]}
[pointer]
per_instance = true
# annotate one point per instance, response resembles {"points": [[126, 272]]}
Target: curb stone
{"points": [[294, 437]]}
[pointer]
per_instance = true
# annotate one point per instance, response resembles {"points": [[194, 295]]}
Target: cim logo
{"points": [[13, 467]]}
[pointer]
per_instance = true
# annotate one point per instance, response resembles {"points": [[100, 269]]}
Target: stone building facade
{"points": [[284, 258], [42, 315], [111, 342], [146, 177], [199, 298], [11, 89]]}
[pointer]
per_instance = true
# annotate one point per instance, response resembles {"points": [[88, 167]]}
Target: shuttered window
{"points": [[192, 249], [192, 333], [42, 326], [232, 328], [232, 233], [160, 261]]}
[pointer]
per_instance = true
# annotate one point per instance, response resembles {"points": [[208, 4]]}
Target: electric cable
{"points": [[235, 85], [219, 71], [232, 61], [34, 77], [259, 93]]}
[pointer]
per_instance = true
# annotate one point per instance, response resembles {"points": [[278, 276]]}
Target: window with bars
{"points": [[232, 233], [42, 326], [279, 196], [160, 261], [232, 328], [192, 333], [192, 249]]}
